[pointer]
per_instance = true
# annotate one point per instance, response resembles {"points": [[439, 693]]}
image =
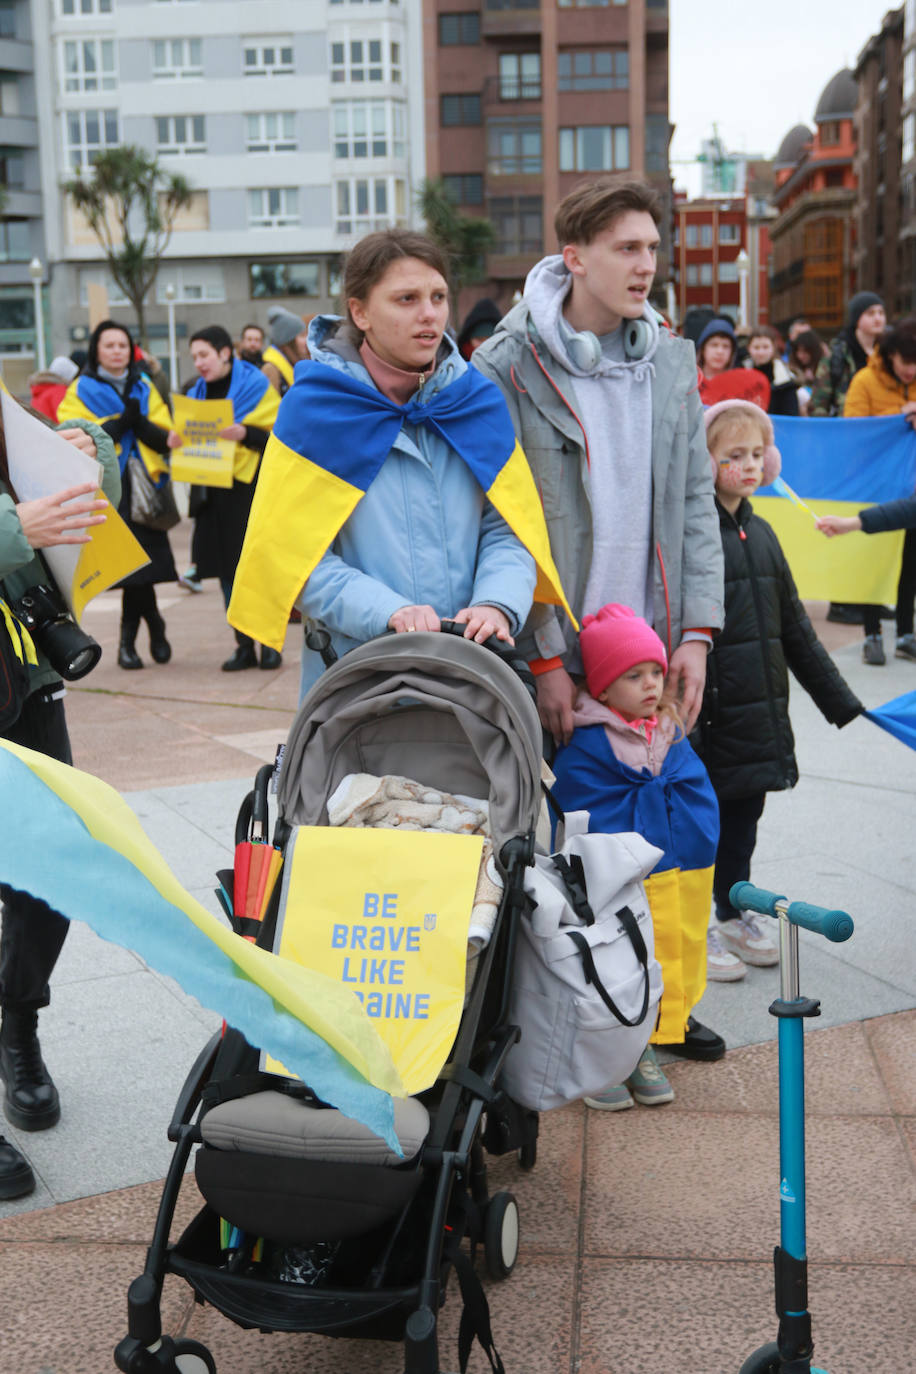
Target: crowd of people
{"points": [[663, 658]]}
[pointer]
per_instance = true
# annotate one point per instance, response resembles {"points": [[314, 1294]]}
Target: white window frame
{"points": [[78, 9], [197, 284], [728, 270], [276, 64], [360, 126], [273, 207], [283, 138], [365, 60], [78, 80], [357, 202], [181, 147], [83, 147], [100, 277], [616, 138], [185, 69], [729, 233]]}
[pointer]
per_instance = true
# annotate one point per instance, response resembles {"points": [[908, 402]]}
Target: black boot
{"points": [[31, 1101], [159, 646], [270, 658], [244, 656], [16, 1177], [127, 654]]}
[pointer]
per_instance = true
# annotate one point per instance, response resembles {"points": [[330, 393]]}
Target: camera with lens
{"points": [[69, 650]]}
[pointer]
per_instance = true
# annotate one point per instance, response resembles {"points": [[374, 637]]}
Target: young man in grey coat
{"points": [[605, 404]]}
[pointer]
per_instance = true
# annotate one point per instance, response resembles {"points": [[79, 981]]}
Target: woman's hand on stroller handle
{"points": [[484, 622], [409, 618]]}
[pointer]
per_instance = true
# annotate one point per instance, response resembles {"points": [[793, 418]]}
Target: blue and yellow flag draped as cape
{"points": [[332, 435], [837, 467], [69, 839], [91, 398], [254, 402], [678, 812]]}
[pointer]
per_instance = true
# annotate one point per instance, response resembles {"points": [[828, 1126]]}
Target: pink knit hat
{"points": [[772, 462], [614, 640]]}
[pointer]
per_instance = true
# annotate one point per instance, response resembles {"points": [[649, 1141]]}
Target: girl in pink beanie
{"points": [[629, 765]]}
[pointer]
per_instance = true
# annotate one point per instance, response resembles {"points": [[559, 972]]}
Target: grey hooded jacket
{"points": [[687, 577]]}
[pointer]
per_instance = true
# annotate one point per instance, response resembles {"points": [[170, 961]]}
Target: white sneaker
{"points": [[747, 938], [721, 965]]}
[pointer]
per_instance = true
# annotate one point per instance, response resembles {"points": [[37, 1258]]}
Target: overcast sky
{"points": [[756, 68]]}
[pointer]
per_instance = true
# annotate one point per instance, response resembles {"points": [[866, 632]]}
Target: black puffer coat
{"points": [[743, 734]]}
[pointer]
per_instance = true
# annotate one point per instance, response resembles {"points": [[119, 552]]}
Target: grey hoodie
{"points": [[614, 401]]}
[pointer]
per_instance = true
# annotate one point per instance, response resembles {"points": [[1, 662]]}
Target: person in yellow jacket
{"points": [[887, 386], [115, 393], [288, 346]]}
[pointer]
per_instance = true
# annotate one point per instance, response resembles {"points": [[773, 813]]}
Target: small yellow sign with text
{"points": [[203, 458], [386, 913]]}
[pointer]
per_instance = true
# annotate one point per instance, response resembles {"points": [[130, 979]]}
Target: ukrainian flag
{"points": [[91, 398], [313, 475], [837, 467], [107, 873], [254, 402]]}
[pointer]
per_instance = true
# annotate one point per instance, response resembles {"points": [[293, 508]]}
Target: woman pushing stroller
{"points": [[392, 493]]}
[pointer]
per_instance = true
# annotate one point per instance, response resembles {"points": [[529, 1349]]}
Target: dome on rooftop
{"points": [[838, 98], [791, 146]]}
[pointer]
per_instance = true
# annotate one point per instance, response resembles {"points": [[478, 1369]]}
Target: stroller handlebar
{"points": [[507, 652], [835, 926]]}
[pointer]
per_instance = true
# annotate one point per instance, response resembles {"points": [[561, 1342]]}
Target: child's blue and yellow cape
{"points": [[315, 472], [254, 402]]}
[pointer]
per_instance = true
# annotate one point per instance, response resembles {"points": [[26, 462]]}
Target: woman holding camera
{"points": [[115, 393], [31, 934]]}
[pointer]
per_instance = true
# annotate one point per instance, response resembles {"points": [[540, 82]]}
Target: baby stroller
{"points": [[365, 1241]]}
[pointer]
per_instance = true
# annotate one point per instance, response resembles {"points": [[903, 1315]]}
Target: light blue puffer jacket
{"points": [[423, 534]]}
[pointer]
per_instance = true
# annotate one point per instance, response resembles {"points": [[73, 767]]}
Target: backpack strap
{"points": [[631, 926], [572, 872]]}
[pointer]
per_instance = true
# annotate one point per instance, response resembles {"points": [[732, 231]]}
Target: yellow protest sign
{"points": [[204, 458], [386, 913]]}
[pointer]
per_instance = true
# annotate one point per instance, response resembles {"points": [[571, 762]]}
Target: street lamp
{"points": [[173, 348], [744, 267], [36, 272]]}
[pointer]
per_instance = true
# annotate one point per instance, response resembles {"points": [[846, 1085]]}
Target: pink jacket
{"points": [[642, 744]]}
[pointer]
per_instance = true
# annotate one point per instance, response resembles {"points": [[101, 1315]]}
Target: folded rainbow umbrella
{"points": [[107, 873]]}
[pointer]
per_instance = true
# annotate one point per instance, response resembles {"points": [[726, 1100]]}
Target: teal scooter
{"points": [[791, 1352]]}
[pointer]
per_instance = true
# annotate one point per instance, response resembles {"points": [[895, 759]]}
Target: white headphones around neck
{"points": [[585, 350]]}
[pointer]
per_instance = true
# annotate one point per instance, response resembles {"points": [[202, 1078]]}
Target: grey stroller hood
{"points": [[433, 707]]}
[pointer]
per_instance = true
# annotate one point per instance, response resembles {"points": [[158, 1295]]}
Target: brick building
{"points": [[525, 99], [879, 74], [709, 235], [813, 235]]}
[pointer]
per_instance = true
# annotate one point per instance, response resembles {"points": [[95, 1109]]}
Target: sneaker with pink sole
{"points": [[747, 937]]}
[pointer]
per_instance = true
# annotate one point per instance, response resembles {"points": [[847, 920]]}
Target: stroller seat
{"points": [[280, 1167]]}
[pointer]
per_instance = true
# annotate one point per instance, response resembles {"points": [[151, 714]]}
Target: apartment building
{"points": [[299, 127], [879, 76], [526, 98], [906, 287]]}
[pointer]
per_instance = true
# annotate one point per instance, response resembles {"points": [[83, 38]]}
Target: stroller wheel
{"points": [[500, 1235], [527, 1156], [193, 1358], [763, 1361]]}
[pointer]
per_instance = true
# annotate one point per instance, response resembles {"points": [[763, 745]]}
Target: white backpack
{"points": [[586, 983]]}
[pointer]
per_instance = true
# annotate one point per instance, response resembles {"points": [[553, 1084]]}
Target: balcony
{"points": [[501, 18], [504, 93], [17, 131], [15, 56]]}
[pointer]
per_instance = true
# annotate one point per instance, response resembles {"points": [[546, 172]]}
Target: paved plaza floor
{"points": [[646, 1235]]}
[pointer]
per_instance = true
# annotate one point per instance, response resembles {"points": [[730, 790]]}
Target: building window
{"points": [[199, 284], [909, 74], [177, 57], [284, 279], [459, 110], [456, 30], [89, 65], [693, 274], [691, 235], [68, 7], [829, 132], [363, 60], [909, 137], [273, 207], [728, 271], [367, 203], [15, 240], [705, 235], [268, 57], [706, 274], [590, 69], [12, 170], [181, 134], [517, 221], [513, 147], [658, 135], [588, 4], [7, 19], [271, 132], [87, 133], [369, 128], [95, 277], [520, 76], [595, 148], [729, 233], [464, 190]]}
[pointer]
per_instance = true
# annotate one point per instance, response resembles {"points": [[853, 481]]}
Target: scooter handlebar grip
{"points": [[836, 926], [747, 897]]}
